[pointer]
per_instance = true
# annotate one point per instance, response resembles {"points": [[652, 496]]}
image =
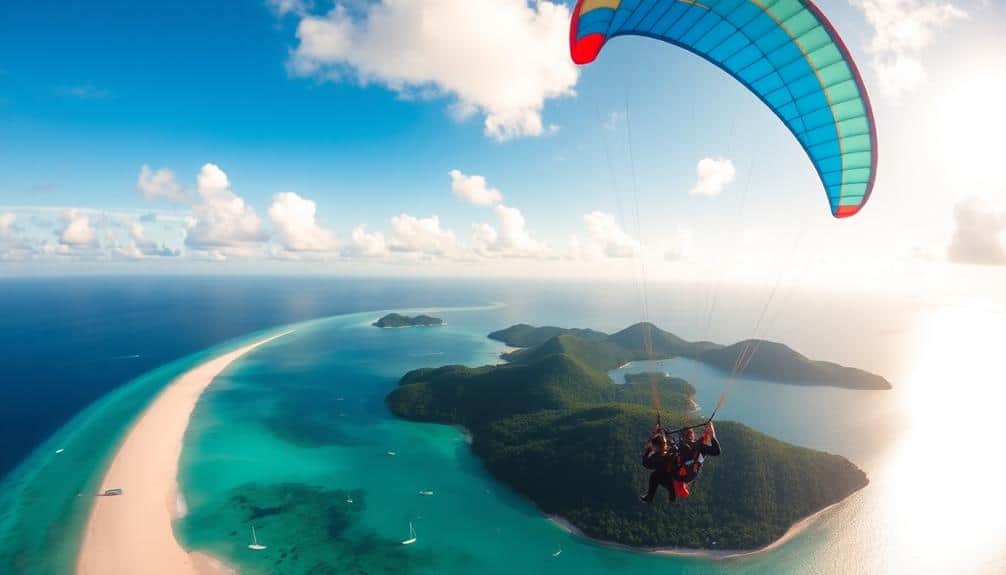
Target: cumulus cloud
{"points": [[421, 236], [679, 245], [143, 247], [613, 121], [474, 189], [9, 248], [714, 174], [502, 59], [978, 237], [574, 249], [901, 30], [159, 184], [283, 7], [295, 221], [6, 223], [77, 231], [367, 245], [87, 91], [220, 219], [607, 235], [512, 239]]}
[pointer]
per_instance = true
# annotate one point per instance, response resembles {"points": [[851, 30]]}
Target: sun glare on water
{"points": [[939, 495]]}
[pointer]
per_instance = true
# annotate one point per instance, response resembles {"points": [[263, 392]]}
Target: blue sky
{"points": [[89, 94]]}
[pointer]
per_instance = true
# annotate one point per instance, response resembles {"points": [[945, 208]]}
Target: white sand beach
{"points": [[131, 534], [794, 530]]}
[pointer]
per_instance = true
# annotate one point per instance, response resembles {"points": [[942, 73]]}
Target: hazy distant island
{"points": [[399, 320], [767, 360], [554, 426]]}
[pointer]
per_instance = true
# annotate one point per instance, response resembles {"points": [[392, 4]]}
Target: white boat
{"points": [[349, 499], [558, 553], [412, 535], [426, 492], [392, 453], [254, 545], [60, 450]]}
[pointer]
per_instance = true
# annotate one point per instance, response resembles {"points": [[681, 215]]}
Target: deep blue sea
{"points": [[304, 418], [66, 342]]}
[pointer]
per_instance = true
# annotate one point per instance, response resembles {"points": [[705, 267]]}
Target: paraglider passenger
{"points": [[675, 466], [658, 457]]}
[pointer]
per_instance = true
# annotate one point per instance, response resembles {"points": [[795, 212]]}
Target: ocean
{"points": [[294, 439]]}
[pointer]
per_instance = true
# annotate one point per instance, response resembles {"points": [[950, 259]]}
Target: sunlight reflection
{"points": [[940, 497]]}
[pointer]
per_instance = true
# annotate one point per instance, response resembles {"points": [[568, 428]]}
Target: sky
{"points": [[456, 137]]}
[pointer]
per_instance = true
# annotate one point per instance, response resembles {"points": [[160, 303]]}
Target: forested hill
{"points": [[767, 360], [557, 429], [777, 362], [399, 320]]}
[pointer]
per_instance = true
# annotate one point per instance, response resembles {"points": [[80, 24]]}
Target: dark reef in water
{"points": [[307, 530]]}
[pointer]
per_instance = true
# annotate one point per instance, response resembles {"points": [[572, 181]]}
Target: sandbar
{"points": [[131, 533]]}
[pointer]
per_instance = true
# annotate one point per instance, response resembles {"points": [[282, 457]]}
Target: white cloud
{"points": [[367, 245], [714, 174], [6, 223], [501, 58], [143, 247], [978, 237], [283, 7], [902, 29], [10, 249], [77, 232], [87, 91], [511, 240], [159, 184], [607, 235], [613, 121], [679, 245], [421, 235], [221, 220], [295, 221], [474, 189], [574, 249]]}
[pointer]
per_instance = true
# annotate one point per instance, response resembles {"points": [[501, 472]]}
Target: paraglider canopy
{"points": [[784, 51]]}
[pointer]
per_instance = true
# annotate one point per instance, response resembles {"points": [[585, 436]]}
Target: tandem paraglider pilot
{"points": [[677, 463]]}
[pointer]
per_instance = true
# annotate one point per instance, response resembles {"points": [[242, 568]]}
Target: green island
{"points": [[399, 320], [769, 360], [553, 426]]}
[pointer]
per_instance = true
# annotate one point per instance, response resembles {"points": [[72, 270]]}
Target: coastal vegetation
{"points": [[399, 320], [553, 426], [765, 359]]}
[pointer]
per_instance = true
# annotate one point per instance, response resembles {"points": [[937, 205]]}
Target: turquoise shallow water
{"points": [[299, 427], [291, 432], [44, 502]]}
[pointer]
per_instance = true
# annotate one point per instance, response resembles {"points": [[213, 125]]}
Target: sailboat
{"points": [[412, 535], [254, 545]]}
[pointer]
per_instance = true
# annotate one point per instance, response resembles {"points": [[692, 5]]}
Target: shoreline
{"points": [[133, 532], [715, 554]]}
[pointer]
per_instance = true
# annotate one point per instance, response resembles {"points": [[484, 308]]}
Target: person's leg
{"points": [[652, 489], [681, 490]]}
